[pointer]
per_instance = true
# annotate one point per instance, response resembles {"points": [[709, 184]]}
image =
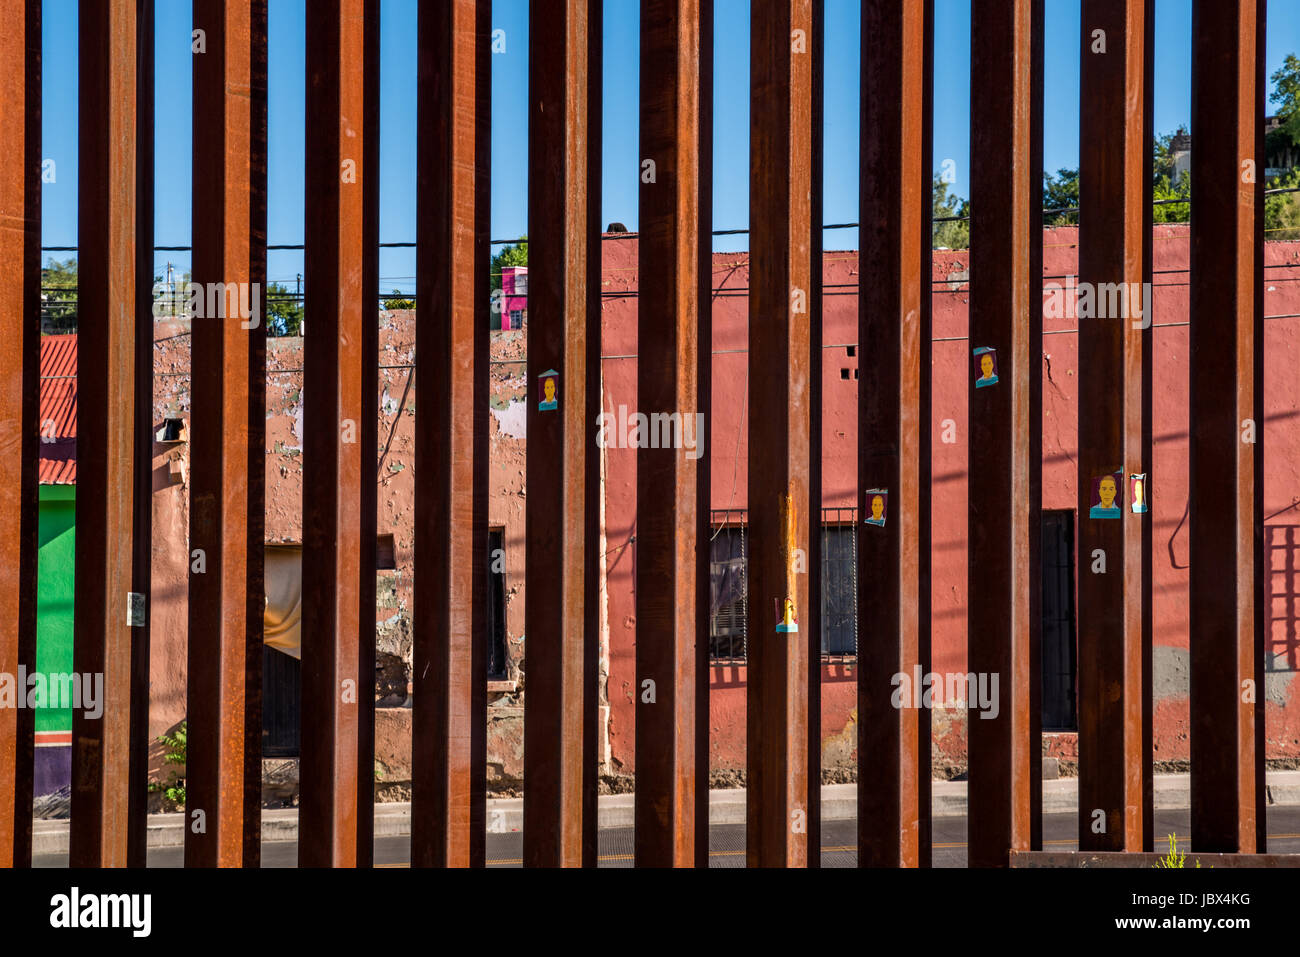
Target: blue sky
{"points": [[621, 162]]}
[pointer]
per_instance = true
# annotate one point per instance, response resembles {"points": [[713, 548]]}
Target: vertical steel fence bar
{"points": [[558, 431], [106, 611], [780, 505], [1113, 215], [449, 729], [1005, 314], [340, 409], [593, 568], [924, 524], [892, 283], [142, 555], [1227, 427], [1148, 379], [256, 570], [223, 502], [667, 387], [816, 367], [704, 466], [20, 313]]}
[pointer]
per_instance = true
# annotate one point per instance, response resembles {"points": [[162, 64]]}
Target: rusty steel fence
{"points": [[112, 605]]}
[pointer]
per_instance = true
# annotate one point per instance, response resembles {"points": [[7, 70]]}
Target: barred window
{"points": [[729, 584]]}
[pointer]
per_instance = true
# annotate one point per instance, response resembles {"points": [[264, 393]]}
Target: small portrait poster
{"points": [[1137, 483], [986, 366], [786, 622], [877, 502], [548, 391], [1106, 500]]}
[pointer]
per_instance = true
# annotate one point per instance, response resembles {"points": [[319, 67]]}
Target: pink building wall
{"points": [[514, 299], [950, 377]]}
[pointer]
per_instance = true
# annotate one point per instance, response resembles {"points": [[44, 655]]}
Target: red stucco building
{"points": [[846, 368]]}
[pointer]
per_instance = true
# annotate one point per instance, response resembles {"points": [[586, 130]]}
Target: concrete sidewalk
{"points": [[839, 803]]}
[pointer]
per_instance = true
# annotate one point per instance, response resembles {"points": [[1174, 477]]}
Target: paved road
{"points": [[727, 843]]}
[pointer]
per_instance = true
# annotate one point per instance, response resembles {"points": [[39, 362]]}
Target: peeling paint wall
{"points": [[396, 476]]}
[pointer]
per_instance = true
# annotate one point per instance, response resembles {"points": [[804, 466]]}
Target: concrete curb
{"points": [[839, 803]]}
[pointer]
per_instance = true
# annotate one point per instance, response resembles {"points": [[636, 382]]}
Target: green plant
{"points": [[954, 232], [284, 311], [515, 254], [398, 301], [1173, 858], [174, 753]]}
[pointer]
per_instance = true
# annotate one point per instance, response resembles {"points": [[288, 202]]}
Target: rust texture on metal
{"points": [[1148, 378], [20, 271], [704, 398], [780, 505], [1225, 591], [594, 569], [107, 269], [924, 526], [667, 384], [1033, 580], [892, 283], [816, 529], [558, 434], [449, 726], [223, 553], [256, 570], [1113, 218], [142, 536], [340, 395], [1003, 528]]}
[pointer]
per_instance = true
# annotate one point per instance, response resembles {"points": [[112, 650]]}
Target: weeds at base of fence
{"points": [[174, 754]]}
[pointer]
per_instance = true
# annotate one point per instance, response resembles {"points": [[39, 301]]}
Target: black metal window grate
{"points": [[1059, 662], [727, 595], [839, 553], [496, 606], [728, 606]]}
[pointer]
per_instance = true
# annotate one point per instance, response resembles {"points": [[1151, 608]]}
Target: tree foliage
{"points": [[59, 289], [1282, 210], [1061, 193], [284, 312], [1286, 93], [398, 301], [954, 233], [515, 254]]}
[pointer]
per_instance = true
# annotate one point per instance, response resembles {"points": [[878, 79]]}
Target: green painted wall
{"points": [[54, 581]]}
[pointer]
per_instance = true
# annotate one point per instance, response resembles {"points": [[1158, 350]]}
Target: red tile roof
{"points": [[58, 425]]}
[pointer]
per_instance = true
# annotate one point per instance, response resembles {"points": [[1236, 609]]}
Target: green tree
{"points": [[1286, 93], [1163, 160], [1060, 192], [1169, 197], [954, 233], [398, 301], [512, 255], [284, 312], [1164, 189], [1282, 210], [59, 290]]}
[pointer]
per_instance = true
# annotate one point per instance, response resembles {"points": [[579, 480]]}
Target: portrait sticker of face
{"points": [[986, 366], [877, 500], [1137, 483], [786, 622], [548, 391], [1106, 499]]}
